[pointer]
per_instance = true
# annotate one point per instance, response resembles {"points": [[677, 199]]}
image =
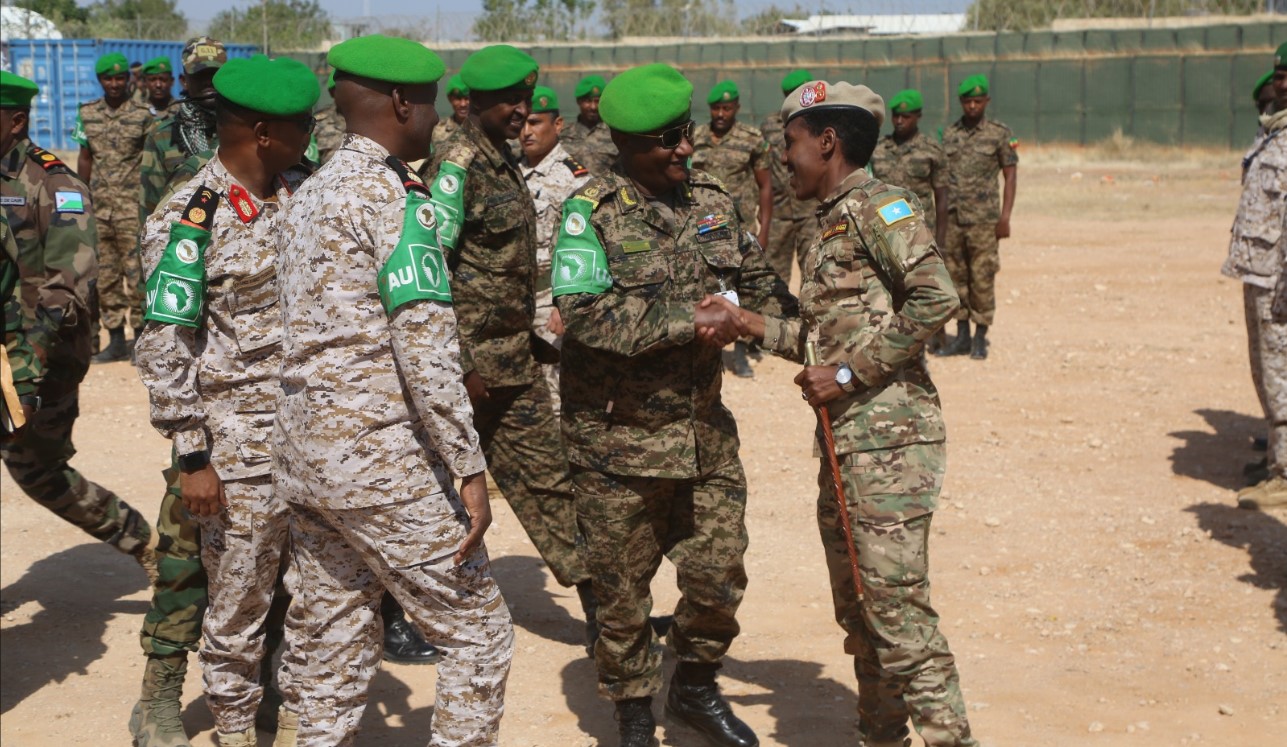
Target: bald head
{"points": [[398, 116]]}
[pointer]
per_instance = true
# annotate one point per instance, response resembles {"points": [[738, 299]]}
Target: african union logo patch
{"points": [[449, 184], [187, 252], [574, 225], [424, 216]]}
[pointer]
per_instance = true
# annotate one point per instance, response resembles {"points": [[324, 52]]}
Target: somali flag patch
{"points": [[69, 202], [895, 211]]}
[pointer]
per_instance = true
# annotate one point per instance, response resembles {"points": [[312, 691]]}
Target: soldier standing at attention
{"points": [[110, 131], [374, 423], [790, 230], [738, 155], [977, 216], [488, 228], [654, 449], [875, 290], [458, 97], [586, 138], [159, 76], [552, 176], [51, 218]]}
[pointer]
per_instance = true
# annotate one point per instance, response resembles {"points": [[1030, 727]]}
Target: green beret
{"points": [[113, 63], [544, 100], [646, 97], [794, 80], [16, 92], [391, 59], [906, 101], [723, 92], [974, 85], [498, 67], [330, 81], [457, 86], [280, 86], [158, 66], [1280, 57], [1260, 84], [590, 85]]}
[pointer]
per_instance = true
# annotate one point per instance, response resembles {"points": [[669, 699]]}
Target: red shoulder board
{"points": [[576, 168], [48, 161]]}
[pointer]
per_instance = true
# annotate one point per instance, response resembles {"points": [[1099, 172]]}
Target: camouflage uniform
{"points": [[329, 132], [1256, 258], [654, 448], [918, 165], [372, 427], [186, 130], [791, 229], [591, 147], [734, 159], [115, 139], [443, 129], [491, 250], [975, 156], [875, 289], [51, 216], [551, 182], [214, 387]]}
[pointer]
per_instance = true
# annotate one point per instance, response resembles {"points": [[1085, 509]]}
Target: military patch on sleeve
{"points": [[576, 168], [1014, 143], [840, 229], [69, 202], [895, 211]]}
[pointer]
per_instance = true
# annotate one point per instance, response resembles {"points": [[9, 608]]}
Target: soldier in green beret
{"points": [[586, 138], [978, 149], [1263, 93], [789, 230], [158, 74], [458, 98], [640, 253]]}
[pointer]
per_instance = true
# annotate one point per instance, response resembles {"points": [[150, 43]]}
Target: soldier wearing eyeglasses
{"points": [[640, 253]]}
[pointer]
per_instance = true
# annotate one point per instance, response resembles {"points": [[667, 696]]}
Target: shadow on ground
{"points": [[522, 581], [1218, 457], [1263, 536]]}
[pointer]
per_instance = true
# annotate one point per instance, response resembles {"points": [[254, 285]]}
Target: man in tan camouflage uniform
{"points": [[51, 217], [586, 138], [654, 449], [374, 422], [791, 229], [110, 132], [209, 357], [458, 98], [978, 216], [875, 289], [552, 176], [488, 226], [1257, 258]]}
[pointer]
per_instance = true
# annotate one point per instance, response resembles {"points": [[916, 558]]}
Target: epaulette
{"points": [[201, 208], [575, 167], [409, 180], [47, 161], [590, 193]]}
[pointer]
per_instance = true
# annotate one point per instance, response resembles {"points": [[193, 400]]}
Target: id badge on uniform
{"points": [[731, 296]]}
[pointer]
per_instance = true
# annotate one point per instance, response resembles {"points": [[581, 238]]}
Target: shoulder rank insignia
{"points": [[242, 204], [895, 211], [201, 208], [839, 229], [576, 168], [409, 180], [48, 161]]}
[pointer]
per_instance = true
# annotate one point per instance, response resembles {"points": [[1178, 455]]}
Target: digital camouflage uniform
{"points": [[445, 127], [329, 132], [551, 182], [490, 237], [734, 159], [918, 165], [114, 138], [591, 147], [792, 228], [1256, 259], [975, 156], [655, 450], [373, 426], [51, 215], [875, 289]]}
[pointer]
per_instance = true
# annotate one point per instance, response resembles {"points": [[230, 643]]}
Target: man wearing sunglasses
{"points": [[640, 254]]}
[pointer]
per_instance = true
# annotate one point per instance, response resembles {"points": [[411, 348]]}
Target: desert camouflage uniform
{"points": [[329, 132], [918, 165], [875, 289], [445, 127], [115, 139], [591, 147], [492, 254], [372, 427], [734, 159], [792, 228], [50, 213], [654, 448], [974, 159], [1256, 258], [214, 388], [551, 182]]}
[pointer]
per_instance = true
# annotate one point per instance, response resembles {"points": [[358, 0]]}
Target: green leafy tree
{"points": [[58, 11], [1021, 15], [131, 19], [290, 24], [766, 21], [669, 17], [533, 20]]}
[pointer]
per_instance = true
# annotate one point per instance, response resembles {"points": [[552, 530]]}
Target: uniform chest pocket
{"points": [[639, 270], [918, 168], [252, 303], [839, 268], [503, 220]]}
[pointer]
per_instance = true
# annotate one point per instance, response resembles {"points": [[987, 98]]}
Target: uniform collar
{"points": [[11, 164], [485, 147], [982, 121], [858, 178], [245, 205], [553, 158], [364, 145]]}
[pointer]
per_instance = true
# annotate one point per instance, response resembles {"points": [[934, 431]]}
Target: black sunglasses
{"points": [[670, 139]]}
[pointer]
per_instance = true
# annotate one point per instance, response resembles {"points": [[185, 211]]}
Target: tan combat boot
{"points": [[245, 738], [155, 721], [287, 728], [1271, 493]]}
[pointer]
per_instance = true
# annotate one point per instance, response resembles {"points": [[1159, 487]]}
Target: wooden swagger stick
{"points": [[829, 446]]}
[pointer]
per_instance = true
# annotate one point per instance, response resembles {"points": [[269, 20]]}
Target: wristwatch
{"points": [[193, 461], [845, 378]]}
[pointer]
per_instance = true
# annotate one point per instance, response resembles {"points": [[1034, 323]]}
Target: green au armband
{"points": [[311, 153], [78, 131], [416, 269], [580, 265], [176, 289], [448, 196]]}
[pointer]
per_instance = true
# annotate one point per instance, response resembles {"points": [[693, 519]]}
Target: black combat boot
{"points": [[979, 350], [590, 606], [960, 345], [737, 363], [116, 349], [403, 644], [694, 700], [635, 723]]}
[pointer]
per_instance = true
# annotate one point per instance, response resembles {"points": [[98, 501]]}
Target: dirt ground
{"points": [[1095, 579]]}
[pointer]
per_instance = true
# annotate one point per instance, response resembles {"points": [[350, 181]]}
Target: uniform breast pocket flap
{"points": [[638, 270], [253, 303], [722, 255], [918, 168]]}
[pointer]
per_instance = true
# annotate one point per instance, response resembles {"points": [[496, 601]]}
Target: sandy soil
{"points": [[1095, 579]]}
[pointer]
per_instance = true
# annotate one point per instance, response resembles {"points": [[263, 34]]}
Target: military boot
{"points": [[403, 644], [979, 349], [116, 349], [590, 606], [694, 700], [960, 345], [736, 362], [287, 728], [155, 720], [1271, 493], [635, 723], [936, 342], [245, 738]]}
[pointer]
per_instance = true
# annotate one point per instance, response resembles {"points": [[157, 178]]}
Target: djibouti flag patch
{"points": [[69, 202]]}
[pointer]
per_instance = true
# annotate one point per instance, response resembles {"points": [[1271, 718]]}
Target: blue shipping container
{"points": [[64, 70]]}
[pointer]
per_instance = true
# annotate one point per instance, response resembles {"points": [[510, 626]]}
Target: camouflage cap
{"points": [[819, 94], [203, 53]]}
